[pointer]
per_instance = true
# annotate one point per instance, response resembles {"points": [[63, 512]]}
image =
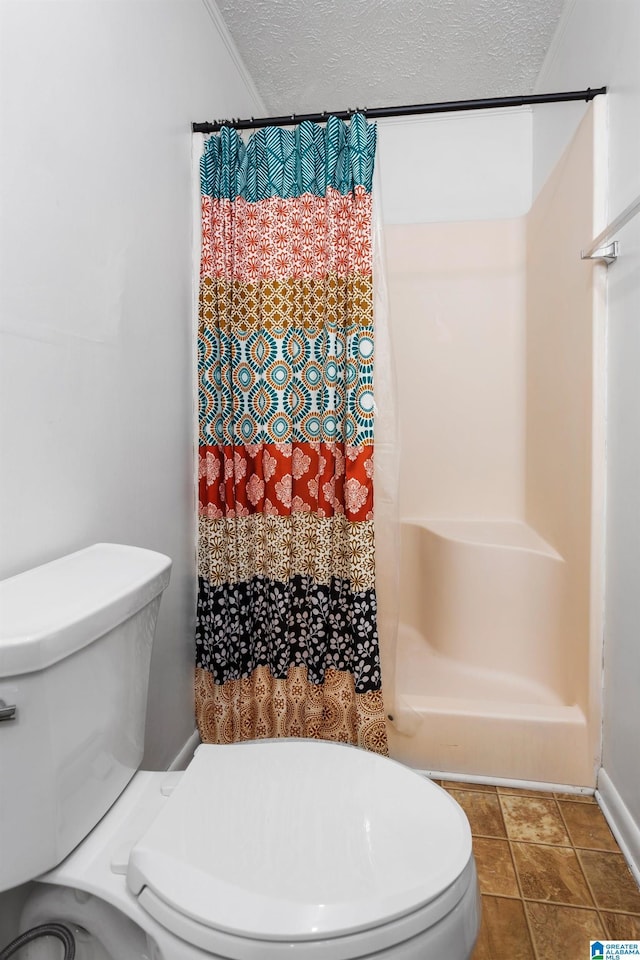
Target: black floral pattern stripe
{"points": [[264, 622]]}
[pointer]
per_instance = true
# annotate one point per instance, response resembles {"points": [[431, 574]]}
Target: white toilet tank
{"points": [[75, 649]]}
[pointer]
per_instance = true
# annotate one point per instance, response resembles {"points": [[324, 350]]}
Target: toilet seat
{"points": [[268, 845]]}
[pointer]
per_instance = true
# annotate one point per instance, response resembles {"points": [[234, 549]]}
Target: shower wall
{"points": [[458, 300], [564, 313], [492, 322]]}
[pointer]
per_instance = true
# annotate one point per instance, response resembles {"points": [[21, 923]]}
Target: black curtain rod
{"points": [[376, 113]]}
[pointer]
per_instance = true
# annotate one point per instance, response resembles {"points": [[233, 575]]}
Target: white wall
{"points": [[96, 251], [456, 167], [598, 43]]}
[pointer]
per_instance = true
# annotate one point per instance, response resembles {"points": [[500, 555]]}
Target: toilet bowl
{"points": [[272, 849], [258, 851]]}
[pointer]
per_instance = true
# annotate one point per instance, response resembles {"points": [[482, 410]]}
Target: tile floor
{"points": [[551, 874]]}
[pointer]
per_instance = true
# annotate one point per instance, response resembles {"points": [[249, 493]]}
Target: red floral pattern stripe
{"points": [[307, 236], [278, 479]]}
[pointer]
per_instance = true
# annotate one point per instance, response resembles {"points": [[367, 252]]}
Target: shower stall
{"points": [[497, 326]]}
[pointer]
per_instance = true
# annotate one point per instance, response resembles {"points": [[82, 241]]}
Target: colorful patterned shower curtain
{"points": [[287, 641]]}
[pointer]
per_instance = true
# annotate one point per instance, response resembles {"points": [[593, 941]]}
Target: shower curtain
{"points": [[286, 639]]}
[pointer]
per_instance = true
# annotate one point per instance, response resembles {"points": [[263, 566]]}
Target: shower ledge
{"points": [[545, 712], [427, 674], [512, 534]]}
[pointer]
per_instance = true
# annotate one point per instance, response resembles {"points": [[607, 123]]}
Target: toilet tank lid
{"points": [[53, 610]]}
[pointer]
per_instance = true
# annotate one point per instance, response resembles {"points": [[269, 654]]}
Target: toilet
{"points": [[262, 850]]}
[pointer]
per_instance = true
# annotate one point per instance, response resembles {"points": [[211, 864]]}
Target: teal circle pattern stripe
{"points": [[267, 389], [276, 162]]}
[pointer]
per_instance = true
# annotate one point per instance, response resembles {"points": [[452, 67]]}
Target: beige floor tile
{"points": [[612, 883], [562, 931], [533, 819], [483, 812], [459, 785], [587, 826], [621, 926], [504, 934], [495, 867], [551, 873]]}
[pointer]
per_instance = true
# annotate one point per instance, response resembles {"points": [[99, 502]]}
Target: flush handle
{"points": [[7, 710]]}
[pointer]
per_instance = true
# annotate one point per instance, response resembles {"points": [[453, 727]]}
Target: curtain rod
{"points": [[448, 106]]}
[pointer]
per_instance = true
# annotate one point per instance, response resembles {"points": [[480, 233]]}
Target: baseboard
{"points": [[540, 785], [184, 755], [623, 826]]}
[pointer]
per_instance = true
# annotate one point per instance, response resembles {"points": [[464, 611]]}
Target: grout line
{"points": [[582, 870], [563, 903], [505, 896], [502, 819], [621, 913], [615, 853], [467, 788], [566, 906], [530, 929], [532, 843], [582, 803], [548, 843], [540, 795], [519, 883], [489, 836], [564, 823], [516, 874], [590, 889]]}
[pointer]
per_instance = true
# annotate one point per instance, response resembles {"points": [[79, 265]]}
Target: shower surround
{"points": [[497, 329]]}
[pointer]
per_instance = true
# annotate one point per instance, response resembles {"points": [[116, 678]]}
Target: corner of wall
{"points": [[623, 826], [555, 47], [223, 31], [555, 125]]}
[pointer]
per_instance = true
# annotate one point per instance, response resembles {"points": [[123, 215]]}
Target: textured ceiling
{"points": [[313, 55]]}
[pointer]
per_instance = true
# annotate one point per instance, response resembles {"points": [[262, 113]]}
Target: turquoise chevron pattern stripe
{"points": [[288, 163]]}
